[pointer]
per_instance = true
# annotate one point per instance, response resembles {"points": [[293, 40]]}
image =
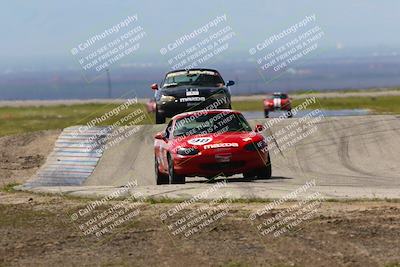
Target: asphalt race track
{"points": [[347, 157]]}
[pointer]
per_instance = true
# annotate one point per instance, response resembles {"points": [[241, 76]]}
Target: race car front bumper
{"points": [[226, 164], [170, 109], [272, 108]]}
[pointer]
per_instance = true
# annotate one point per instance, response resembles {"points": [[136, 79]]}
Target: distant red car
{"points": [[277, 101], [210, 143]]}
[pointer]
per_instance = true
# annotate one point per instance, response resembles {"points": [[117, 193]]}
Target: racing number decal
{"points": [[200, 141], [192, 91]]}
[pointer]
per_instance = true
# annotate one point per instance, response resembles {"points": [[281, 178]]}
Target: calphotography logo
{"points": [[286, 219], [181, 222], [103, 50], [200, 133], [103, 217], [186, 37], [196, 48], [281, 50]]}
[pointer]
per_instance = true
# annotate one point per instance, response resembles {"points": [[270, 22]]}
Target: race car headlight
{"points": [[260, 145], [167, 98], [187, 151]]}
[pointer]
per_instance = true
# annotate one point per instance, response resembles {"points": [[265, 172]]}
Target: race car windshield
{"points": [[278, 96], [211, 123], [197, 78]]}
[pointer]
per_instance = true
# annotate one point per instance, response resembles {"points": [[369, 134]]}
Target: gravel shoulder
{"points": [[36, 230]]}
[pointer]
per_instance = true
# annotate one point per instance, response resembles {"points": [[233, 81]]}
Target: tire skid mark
{"points": [[344, 156]]}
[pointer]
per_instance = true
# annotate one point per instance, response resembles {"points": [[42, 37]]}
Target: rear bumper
{"points": [[209, 166]]}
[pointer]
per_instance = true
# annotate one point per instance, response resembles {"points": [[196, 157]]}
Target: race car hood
{"points": [[224, 141]]}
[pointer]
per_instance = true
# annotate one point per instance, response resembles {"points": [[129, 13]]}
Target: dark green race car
{"points": [[189, 90]]}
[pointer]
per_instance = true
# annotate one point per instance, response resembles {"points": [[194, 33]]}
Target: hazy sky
{"points": [[47, 30]]}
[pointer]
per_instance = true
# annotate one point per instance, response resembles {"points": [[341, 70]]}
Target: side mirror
{"points": [[259, 128], [160, 136], [230, 83], [154, 86]]}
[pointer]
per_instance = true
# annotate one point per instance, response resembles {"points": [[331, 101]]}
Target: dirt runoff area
{"points": [[43, 230], [22, 155], [40, 230]]}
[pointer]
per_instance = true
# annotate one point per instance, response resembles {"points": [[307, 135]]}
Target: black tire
{"points": [[249, 175], [266, 113], [160, 178], [160, 118], [173, 177], [265, 172], [290, 115]]}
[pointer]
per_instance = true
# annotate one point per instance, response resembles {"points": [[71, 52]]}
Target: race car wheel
{"points": [[249, 175], [160, 178], [160, 118], [173, 177], [266, 113], [290, 115], [265, 172]]}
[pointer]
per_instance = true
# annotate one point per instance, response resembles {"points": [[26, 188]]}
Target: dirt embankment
{"points": [[37, 231], [22, 155]]}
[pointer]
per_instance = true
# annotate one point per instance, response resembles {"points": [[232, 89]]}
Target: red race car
{"points": [[277, 101], [210, 143]]}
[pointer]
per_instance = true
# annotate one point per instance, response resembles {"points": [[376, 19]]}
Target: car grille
{"points": [[223, 165]]}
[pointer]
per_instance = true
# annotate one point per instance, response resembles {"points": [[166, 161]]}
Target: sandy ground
{"points": [[37, 231], [22, 155]]}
